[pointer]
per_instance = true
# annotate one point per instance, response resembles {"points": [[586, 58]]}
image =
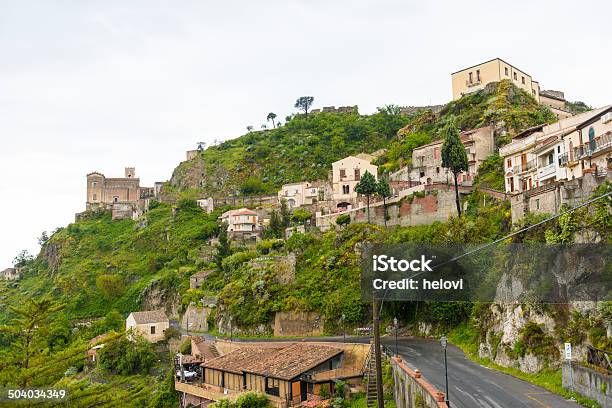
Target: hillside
{"points": [[304, 148]]}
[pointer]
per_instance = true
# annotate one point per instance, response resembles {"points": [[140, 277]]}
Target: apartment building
{"points": [[589, 146], [476, 77], [539, 155], [241, 223]]}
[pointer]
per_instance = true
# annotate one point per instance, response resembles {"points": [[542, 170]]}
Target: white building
{"points": [[242, 222], [151, 324], [298, 194], [207, 204], [346, 174]]}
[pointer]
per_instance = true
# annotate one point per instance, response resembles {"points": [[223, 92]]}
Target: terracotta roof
{"points": [[149, 316], [203, 350], [285, 363], [241, 360]]}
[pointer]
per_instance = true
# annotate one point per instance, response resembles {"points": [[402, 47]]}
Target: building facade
{"points": [[123, 196], [150, 324], [476, 77], [241, 223], [299, 194], [546, 154], [426, 166], [555, 100], [346, 174]]}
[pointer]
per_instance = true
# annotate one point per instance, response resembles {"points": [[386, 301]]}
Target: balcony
{"points": [[547, 171], [563, 159], [599, 145], [530, 165]]}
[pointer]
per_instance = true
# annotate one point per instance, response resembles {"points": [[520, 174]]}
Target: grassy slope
{"points": [[304, 149]]}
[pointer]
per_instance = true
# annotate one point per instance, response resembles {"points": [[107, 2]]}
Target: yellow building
{"points": [[476, 77]]}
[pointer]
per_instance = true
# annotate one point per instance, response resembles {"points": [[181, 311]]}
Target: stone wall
{"points": [[298, 324], [548, 199], [411, 390], [588, 382]]}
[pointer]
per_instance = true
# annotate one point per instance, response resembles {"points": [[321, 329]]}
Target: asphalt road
{"points": [[470, 384]]}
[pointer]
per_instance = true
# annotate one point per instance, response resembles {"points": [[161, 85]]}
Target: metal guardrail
{"points": [[599, 358]]}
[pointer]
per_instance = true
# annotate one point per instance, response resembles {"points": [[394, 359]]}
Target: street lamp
{"points": [[444, 342], [395, 326], [343, 317]]}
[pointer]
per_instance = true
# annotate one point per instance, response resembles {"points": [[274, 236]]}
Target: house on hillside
{"points": [[426, 166], [242, 223], [288, 374], [346, 174], [10, 274], [195, 280], [299, 194], [476, 77], [150, 324]]}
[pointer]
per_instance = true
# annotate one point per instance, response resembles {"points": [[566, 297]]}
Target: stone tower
{"points": [[130, 172]]}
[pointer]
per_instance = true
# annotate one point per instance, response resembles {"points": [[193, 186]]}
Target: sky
{"points": [[102, 85]]}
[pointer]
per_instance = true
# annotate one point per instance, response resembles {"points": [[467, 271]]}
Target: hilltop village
{"points": [[222, 250]]}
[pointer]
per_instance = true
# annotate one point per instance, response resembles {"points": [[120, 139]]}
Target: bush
{"points": [[125, 357], [185, 347], [172, 333], [343, 220], [247, 400]]}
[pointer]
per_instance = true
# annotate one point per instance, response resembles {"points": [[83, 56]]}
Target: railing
{"points": [[599, 358], [522, 168], [563, 159], [590, 148]]}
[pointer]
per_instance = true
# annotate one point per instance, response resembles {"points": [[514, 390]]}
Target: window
{"points": [[272, 386], [95, 197], [523, 80], [571, 151], [357, 175], [515, 77], [533, 91], [342, 173], [478, 75], [511, 183], [438, 170], [538, 203], [437, 153], [592, 138], [550, 158], [94, 184], [422, 174], [115, 199], [152, 329], [558, 149], [471, 79], [345, 189], [506, 70], [509, 164]]}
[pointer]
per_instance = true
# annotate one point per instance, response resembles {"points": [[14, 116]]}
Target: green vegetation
{"points": [[246, 400], [577, 107], [491, 173]]}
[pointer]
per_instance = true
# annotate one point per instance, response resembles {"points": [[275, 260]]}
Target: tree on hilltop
{"points": [[271, 117], [454, 156], [367, 187], [304, 103]]}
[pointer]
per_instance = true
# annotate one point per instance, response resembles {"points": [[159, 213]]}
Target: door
{"points": [[303, 391], [523, 162]]}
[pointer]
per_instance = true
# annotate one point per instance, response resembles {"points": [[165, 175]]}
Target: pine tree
{"points": [[384, 190], [367, 187], [454, 157]]}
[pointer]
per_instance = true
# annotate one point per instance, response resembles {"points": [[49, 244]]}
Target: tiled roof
{"points": [[150, 316], [284, 363], [203, 349]]}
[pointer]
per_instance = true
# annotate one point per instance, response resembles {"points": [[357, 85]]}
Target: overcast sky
{"points": [[100, 85]]}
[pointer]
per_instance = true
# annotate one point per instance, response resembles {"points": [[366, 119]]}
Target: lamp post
{"points": [[444, 342], [343, 317], [395, 327]]}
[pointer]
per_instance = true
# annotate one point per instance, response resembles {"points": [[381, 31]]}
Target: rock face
{"points": [[52, 256], [196, 318], [225, 326], [155, 296]]}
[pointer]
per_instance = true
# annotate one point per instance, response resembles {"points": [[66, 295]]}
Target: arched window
{"points": [[592, 138]]}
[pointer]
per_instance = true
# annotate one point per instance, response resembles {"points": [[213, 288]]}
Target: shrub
{"points": [[125, 357], [172, 333], [343, 220]]}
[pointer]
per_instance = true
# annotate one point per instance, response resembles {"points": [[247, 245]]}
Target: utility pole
{"points": [[377, 356], [444, 342]]}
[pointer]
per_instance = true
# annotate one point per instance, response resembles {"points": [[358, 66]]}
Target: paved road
{"points": [[470, 384]]}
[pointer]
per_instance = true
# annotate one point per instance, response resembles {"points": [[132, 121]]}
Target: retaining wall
{"points": [[411, 390], [589, 383]]}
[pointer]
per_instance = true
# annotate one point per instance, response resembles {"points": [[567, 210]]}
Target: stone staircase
{"points": [[369, 374]]}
